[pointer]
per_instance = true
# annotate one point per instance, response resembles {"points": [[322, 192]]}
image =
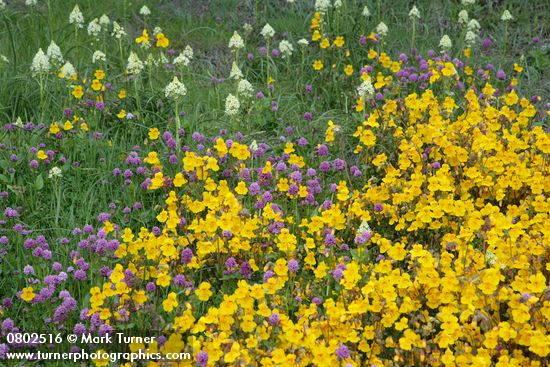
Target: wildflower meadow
{"points": [[274, 183]]}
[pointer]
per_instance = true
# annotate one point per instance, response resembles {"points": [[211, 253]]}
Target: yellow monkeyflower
{"points": [[204, 292], [27, 294], [162, 41]]}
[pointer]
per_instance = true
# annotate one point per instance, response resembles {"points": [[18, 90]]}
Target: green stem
{"points": [[178, 143]]}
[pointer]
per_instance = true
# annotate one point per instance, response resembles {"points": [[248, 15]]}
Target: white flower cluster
{"points": [[118, 31], [76, 17], [322, 5], [473, 25], [468, 2], [135, 65], [337, 4], [55, 172], [247, 28], [175, 89], [67, 71], [144, 10], [382, 29], [94, 28], [506, 16], [232, 105], [30, 2], [463, 17], [104, 21], [150, 61], [366, 89], [470, 38], [267, 31], [445, 43], [40, 63], [54, 53], [366, 12], [303, 42], [185, 57], [414, 13], [236, 42], [286, 48], [2, 5], [236, 73], [3, 58], [245, 88], [98, 56]]}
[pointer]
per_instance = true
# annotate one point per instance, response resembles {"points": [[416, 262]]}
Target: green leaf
{"points": [[39, 182]]}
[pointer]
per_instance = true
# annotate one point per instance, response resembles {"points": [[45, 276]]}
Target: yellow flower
{"points": [[99, 74], [517, 68], [41, 155], [318, 65], [122, 94], [162, 41], [448, 69], [121, 114], [204, 292], [144, 38], [316, 35], [154, 133], [54, 128], [96, 85], [348, 70], [325, 43], [339, 41], [170, 302], [27, 294], [67, 125], [78, 92]]}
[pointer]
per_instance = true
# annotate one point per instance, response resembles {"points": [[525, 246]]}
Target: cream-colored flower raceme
{"points": [[470, 38], [76, 17], [185, 57], [144, 10], [94, 28], [303, 42], [236, 73], [463, 16], [506, 16], [151, 61], [382, 29], [232, 105], [468, 2], [286, 48], [31, 2], [55, 172], [445, 43], [473, 25], [104, 21], [366, 12], [118, 31], [245, 89], [67, 71], [236, 41], [322, 6], [337, 4], [267, 31], [40, 63], [365, 89], [98, 56], [2, 5], [175, 89], [247, 28], [135, 65], [54, 54], [414, 13]]}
